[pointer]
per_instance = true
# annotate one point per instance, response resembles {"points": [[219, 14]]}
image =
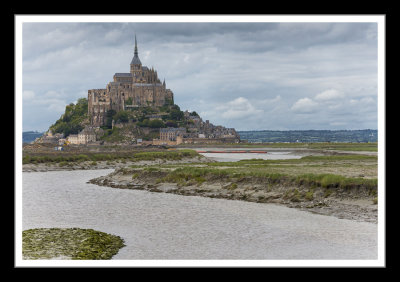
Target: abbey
{"points": [[140, 87]]}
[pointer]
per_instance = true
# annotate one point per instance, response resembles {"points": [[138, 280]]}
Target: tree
{"points": [[71, 122], [156, 123], [121, 116], [175, 107], [143, 123], [176, 114], [171, 123]]}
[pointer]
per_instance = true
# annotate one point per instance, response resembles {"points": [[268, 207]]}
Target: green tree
{"points": [[143, 123], [171, 123], [156, 123], [176, 114], [71, 122], [121, 116]]}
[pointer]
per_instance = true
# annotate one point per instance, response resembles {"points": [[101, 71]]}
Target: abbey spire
{"points": [[136, 50], [136, 60]]}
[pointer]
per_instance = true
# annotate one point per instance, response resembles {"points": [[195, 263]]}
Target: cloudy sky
{"points": [[250, 75]]}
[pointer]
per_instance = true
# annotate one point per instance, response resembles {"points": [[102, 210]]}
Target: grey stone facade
{"points": [[140, 87]]}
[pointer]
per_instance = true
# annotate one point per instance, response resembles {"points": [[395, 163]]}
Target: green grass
{"points": [[184, 174], [73, 243], [309, 195], [335, 181], [168, 155], [306, 159], [123, 156]]}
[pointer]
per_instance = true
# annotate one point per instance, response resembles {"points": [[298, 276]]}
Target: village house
{"points": [[73, 139], [87, 135], [170, 133]]}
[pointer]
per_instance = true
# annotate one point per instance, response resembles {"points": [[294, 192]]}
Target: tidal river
{"points": [[167, 226], [272, 154]]}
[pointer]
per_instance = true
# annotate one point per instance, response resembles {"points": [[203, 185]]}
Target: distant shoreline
{"points": [[291, 136], [310, 136]]}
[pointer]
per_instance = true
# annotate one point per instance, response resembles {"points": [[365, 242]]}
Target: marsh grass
{"points": [[309, 195], [121, 156], [236, 174], [311, 160], [72, 243]]}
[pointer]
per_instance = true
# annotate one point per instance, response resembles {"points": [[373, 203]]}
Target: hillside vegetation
{"points": [[141, 122], [74, 118]]}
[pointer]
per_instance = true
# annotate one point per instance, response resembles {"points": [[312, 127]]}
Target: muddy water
{"points": [[168, 226]]}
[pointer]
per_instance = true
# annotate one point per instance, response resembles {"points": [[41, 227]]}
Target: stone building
{"points": [[140, 87], [87, 135], [171, 133], [73, 139]]}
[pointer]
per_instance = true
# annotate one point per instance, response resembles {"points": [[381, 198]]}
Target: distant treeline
{"points": [[306, 136]]}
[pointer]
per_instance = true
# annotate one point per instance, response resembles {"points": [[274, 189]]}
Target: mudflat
{"points": [[323, 180]]}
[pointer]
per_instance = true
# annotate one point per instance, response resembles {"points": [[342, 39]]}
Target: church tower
{"points": [[136, 64]]}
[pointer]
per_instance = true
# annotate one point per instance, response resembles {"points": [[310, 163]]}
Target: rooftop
{"points": [[172, 129], [123, 74], [136, 61]]}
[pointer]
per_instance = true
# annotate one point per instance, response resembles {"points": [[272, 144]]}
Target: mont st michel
{"points": [[152, 152], [140, 87], [134, 108]]}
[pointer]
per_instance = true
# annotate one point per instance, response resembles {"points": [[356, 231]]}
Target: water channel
{"points": [[166, 226]]}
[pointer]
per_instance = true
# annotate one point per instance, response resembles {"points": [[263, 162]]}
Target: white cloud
{"points": [[28, 95], [113, 35], [368, 100], [269, 102], [51, 94], [239, 108], [304, 105], [338, 123], [328, 95]]}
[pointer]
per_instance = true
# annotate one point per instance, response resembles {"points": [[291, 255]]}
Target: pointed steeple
{"points": [[136, 60]]}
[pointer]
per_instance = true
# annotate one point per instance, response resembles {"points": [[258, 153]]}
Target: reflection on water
{"points": [[168, 226], [233, 157], [227, 157]]}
